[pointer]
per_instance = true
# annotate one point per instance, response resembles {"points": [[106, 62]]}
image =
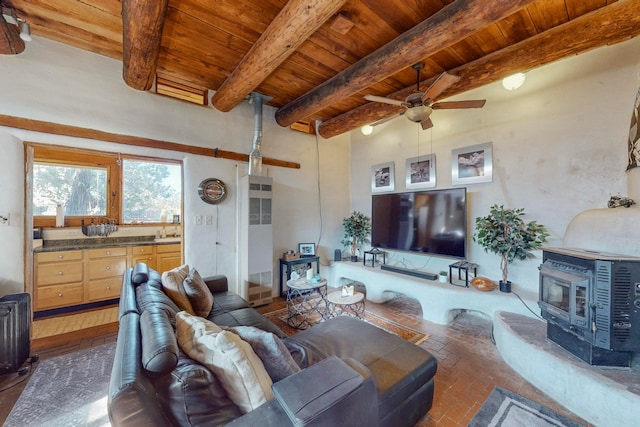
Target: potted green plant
{"points": [[356, 229], [442, 276], [505, 233]]}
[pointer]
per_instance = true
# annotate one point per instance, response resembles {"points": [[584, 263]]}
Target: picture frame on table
{"points": [[472, 165], [382, 177], [307, 249], [420, 172]]}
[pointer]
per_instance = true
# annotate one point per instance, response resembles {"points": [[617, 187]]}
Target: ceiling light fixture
{"points": [[366, 130], [9, 15], [513, 81], [418, 113]]}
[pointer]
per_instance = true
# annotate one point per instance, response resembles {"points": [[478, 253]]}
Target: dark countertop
{"points": [[98, 242]]}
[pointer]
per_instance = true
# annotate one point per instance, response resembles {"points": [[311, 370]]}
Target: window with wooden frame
{"points": [[94, 185]]}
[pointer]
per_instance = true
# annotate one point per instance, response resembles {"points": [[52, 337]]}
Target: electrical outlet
{"points": [[5, 219], [209, 220], [198, 219]]}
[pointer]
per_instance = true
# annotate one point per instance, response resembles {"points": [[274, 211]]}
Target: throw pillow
{"points": [[232, 360], [172, 284], [198, 292], [274, 354]]}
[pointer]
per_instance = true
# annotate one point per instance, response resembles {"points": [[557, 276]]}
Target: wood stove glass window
{"points": [[556, 293]]}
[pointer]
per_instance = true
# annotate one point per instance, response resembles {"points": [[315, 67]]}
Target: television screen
{"points": [[429, 222]]}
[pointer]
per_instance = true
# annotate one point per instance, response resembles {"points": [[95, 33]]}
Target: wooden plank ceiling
{"points": [[317, 59]]}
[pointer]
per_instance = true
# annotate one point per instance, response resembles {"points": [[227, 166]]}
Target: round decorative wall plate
{"points": [[212, 190]]}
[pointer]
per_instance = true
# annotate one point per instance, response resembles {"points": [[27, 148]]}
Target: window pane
{"points": [[152, 191], [81, 191]]}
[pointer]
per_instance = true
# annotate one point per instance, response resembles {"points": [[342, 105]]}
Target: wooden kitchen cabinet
{"points": [[58, 279], [168, 257], [105, 269], [146, 254]]}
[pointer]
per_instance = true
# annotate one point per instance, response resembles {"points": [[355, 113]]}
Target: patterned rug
{"points": [[504, 408], [67, 390], [279, 317]]}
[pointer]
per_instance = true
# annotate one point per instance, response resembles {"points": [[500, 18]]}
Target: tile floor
{"points": [[469, 365]]}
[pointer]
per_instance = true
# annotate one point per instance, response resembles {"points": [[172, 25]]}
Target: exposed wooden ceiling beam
{"points": [[446, 27], [142, 22], [608, 25], [298, 20]]}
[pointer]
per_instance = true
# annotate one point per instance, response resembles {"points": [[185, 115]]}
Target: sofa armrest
{"points": [[331, 392], [217, 283]]}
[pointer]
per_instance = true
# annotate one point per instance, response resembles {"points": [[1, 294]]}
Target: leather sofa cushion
{"points": [[198, 293], [193, 396], [172, 283], [231, 359], [140, 273], [387, 356], [225, 302], [159, 344]]}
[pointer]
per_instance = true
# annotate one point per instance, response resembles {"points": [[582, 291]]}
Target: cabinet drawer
{"points": [[107, 267], [105, 289], [58, 272], [142, 250], [174, 247], [59, 256], [106, 252], [58, 296]]}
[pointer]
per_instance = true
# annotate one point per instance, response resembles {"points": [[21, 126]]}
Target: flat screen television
{"points": [[427, 222]]}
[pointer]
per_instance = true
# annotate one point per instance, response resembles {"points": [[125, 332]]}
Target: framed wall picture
{"points": [[307, 249], [472, 165], [420, 172], [382, 178]]}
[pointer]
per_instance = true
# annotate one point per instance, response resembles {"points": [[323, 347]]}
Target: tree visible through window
{"points": [[152, 191], [81, 191]]}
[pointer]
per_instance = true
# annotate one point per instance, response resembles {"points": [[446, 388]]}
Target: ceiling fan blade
{"points": [[426, 123], [449, 105], [443, 82], [384, 100]]}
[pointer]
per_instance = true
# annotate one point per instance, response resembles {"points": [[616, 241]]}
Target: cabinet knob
{"points": [[60, 294], [60, 256], [108, 252], [60, 273], [108, 267], [108, 288]]}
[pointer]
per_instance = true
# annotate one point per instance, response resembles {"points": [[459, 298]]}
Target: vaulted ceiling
{"points": [[316, 59]]}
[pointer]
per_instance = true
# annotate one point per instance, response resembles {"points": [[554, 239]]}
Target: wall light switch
{"points": [[198, 219], [209, 220]]}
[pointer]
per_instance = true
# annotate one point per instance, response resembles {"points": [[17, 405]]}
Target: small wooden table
{"points": [[352, 305]]}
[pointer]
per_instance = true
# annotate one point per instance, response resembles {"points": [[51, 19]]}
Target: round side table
{"points": [[352, 305], [306, 302]]}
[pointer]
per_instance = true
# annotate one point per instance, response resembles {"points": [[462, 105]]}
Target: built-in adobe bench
{"points": [[440, 302]]}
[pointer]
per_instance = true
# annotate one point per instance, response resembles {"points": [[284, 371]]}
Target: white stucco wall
{"points": [[559, 148], [56, 83]]}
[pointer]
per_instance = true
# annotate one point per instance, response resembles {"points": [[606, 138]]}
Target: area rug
{"points": [[279, 317], [505, 408], [67, 390]]}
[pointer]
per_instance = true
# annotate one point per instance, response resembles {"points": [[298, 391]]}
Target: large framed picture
{"points": [[382, 178], [472, 165], [307, 249], [420, 172]]}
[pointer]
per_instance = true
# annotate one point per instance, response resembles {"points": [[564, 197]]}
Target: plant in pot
{"points": [[505, 233], [442, 276], [356, 229]]}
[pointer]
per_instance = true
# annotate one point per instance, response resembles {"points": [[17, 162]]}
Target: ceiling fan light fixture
{"points": [[366, 130], [25, 31], [513, 81], [418, 113]]}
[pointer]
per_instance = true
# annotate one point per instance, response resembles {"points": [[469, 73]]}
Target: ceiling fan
{"points": [[419, 105]]}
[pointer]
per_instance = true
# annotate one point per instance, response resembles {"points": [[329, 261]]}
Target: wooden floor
{"points": [[469, 365]]}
